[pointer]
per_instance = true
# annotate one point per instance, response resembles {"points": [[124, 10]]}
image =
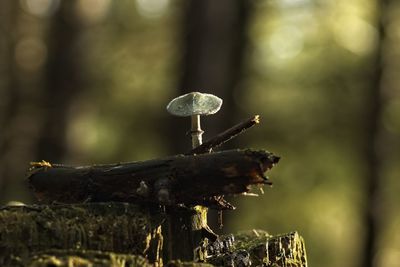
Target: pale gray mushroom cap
{"points": [[194, 103]]}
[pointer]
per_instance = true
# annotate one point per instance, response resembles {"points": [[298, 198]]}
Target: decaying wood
{"points": [[29, 233], [182, 179], [183, 231], [115, 227], [105, 233], [83, 258], [90, 258], [225, 136], [179, 263], [281, 250], [258, 248]]}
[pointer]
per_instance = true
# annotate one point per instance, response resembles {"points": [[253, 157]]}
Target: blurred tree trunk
{"points": [[8, 96], [19, 84], [215, 38], [35, 96], [372, 144], [64, 80]]}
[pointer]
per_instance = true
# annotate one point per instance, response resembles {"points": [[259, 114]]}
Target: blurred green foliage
{"points": [[307, 73]]}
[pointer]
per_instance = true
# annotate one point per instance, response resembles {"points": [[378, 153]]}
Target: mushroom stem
{"points": [[196, 131]]}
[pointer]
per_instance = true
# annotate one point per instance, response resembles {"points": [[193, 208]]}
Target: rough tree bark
{"points": [[110, 227], [189, 180]]}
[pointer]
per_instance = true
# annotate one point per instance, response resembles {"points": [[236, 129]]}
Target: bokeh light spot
{"points": [[388, 258], [93, 11], [30, 54], [41, 8], [355, 35], [292, 3], [152, 8], [286, 42]]}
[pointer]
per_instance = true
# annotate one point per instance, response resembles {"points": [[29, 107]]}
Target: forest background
{"points": [[87, 81]]}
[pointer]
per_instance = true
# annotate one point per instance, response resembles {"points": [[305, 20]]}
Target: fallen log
{"points": [[182, 179]]}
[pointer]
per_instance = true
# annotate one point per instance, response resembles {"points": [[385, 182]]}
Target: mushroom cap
{"points": [[194, 103]]}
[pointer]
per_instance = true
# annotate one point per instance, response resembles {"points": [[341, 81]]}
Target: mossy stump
{"points": [[122, 234], [110, 227], [286, 250]]}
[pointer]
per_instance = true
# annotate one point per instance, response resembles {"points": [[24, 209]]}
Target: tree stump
{"points": [[114, 234], [110, 227]]}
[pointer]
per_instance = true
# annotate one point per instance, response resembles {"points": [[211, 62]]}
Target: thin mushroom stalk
{"points": [[196, 131]]}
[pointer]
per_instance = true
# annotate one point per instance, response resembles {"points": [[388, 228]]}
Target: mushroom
{"points": [[195, 104]]}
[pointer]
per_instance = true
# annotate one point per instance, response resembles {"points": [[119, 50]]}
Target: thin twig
{"points": [[225, 136]]}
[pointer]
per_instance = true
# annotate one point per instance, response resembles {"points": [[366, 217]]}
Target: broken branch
{"points": [[225, 136]]}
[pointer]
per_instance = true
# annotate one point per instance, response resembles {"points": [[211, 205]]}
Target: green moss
{"points": [[248, 239], [179, 263], [117, 227], [85, 258], [259, 248]]}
